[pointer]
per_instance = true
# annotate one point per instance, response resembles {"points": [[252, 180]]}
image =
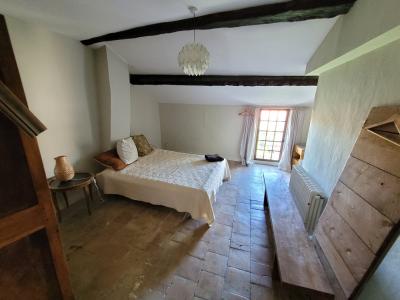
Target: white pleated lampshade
{"points": [[194, 59]]}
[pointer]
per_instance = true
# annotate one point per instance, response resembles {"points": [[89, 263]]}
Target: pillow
{"points": [[142, 145], [110, 159], [127, 151]]}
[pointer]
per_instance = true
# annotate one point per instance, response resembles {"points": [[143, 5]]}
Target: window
{"points": [[270, 134]]}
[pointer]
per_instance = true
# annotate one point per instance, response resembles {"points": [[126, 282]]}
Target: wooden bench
{"points": [[296, 261]]}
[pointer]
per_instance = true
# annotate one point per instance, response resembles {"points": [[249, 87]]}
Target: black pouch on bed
{"points": [[213, 157]]}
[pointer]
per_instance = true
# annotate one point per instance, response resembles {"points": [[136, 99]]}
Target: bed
{"points": [[185, 182]]}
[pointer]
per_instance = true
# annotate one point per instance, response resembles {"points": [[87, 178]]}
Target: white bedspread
{"points": [[185, 182]]}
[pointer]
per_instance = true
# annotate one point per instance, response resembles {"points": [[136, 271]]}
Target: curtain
{"points": [[248, 135], [296, 118]]}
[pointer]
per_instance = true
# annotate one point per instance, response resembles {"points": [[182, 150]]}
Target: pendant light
{"points": [[194, 58]]}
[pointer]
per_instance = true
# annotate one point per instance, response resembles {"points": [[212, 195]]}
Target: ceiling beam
{"points": [[224, 80], [295, 10]]}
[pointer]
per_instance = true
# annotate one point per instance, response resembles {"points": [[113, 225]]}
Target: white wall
{"points": [[344, 98], [303, 128], [145, 116], [59, 82], [120, 97], [113, 89], [366, 20], [207, 128], [201, 129], [103, 97]]}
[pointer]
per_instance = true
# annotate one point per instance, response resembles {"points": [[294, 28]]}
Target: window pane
{"points": [[271, 126], [273, 115], [269, 146], [280, 126], [282, 115], [271, 131], [278, 136], [264, 115], [277, 146], [275, 155], [268, 155], [263, 125], [262, 135], [270, 136]]}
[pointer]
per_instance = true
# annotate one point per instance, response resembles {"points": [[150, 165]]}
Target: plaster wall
{"points": [[58, 75], [366, 20], [145, 116], [205, 129], [344, 98]]}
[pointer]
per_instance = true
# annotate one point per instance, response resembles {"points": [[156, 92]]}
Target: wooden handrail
{"points": [[12, 107]]}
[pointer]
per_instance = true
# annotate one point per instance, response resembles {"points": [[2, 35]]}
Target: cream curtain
{"points": [[248, 135], [296, 119]]}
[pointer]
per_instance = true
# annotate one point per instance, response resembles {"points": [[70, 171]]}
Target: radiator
{"points": [[308, 196]]}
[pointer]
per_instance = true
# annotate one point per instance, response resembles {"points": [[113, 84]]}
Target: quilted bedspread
{"points": [[185, 182]]}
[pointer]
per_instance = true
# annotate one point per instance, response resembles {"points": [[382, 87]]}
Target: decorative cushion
{"points": [[127, 151], [110, 159], [142, 145]]}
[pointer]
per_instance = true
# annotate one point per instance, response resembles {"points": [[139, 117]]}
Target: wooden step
{"points": [[297, 260]]}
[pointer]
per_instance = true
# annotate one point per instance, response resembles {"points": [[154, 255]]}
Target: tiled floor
{"points": [[131, 250]]}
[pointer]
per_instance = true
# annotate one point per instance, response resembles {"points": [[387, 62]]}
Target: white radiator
{"points": [[309, 198]]}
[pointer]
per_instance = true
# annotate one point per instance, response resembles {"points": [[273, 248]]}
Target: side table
{"points": [[84, 181]]}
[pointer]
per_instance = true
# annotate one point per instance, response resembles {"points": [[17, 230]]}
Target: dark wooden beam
{"points": [[223, 80], [295, 10]]}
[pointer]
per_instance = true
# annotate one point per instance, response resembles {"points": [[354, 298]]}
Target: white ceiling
{"points": [[83, 19], [273, 49], [231, 95]]}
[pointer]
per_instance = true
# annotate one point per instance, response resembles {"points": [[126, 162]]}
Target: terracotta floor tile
{"points": [[135, 250], [257, 205], [260, 237], [243, 207], [260, 269], [215, 263], [261, 225], [224, 219], [221, 230], [198, 249], [261, 254], [220, 246], [258, 214], [261, 280], [210, 286], [242, 199], [240, 241], [190, 268], [225, 208], [238, 282], [231, 296], [262, 293], [239, 259], [241, 227], [180, 288], [152, 295]]}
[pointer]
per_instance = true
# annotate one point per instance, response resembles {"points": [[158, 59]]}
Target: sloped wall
{"points": [[114, 96], [58, 76], [145, 116]]}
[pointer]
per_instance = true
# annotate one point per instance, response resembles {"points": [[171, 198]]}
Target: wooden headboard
{"points": [[361, 219]]}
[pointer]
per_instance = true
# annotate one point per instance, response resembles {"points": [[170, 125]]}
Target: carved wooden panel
{"points": [[32, 263], [361, 219], [27, 270], [16, 190]]}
